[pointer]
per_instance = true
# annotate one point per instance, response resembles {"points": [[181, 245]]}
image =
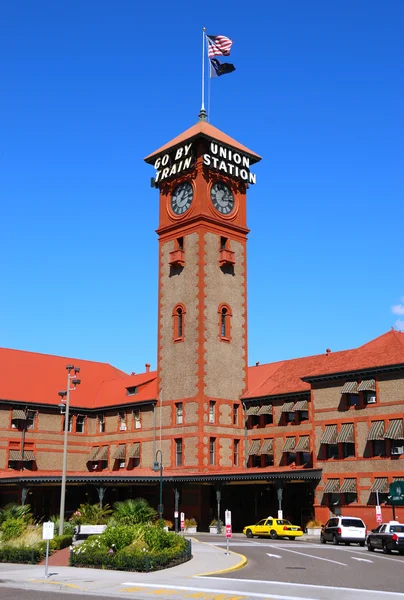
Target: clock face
{"points": [[182, 198], [222, 198]]}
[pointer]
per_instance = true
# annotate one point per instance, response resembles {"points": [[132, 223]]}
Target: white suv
{"points": [[344, 529]]}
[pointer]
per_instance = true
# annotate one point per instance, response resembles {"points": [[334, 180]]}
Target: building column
{"points": [[24, 494], [101, 493], [279, 493]]}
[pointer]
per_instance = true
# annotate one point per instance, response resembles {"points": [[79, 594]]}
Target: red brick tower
{"points": [[202, 176]]}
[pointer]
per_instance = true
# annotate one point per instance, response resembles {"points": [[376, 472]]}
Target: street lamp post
{"points": [[72, 373], [158, 466]]}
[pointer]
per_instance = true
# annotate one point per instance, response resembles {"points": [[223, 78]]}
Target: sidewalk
{"points": [[207, 558]]}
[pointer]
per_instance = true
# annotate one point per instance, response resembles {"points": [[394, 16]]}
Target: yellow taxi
{"points": [[274, 528]]}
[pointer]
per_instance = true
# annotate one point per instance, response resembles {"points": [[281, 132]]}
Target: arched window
{"points": [[224, 322], [179, 322]]}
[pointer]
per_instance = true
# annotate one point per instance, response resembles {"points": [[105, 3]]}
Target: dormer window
{"points": [[131, 391]]}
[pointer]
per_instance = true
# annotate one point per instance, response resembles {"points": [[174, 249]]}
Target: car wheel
{"points": [[249, 533], [370, 547], [322, 539], [335, 540], [361, 544], [386, 550], [273, 534]]}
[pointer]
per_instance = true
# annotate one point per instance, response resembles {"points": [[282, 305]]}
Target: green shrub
{"points": [[68, 527], [12, 528], [120, 536], [91, 514], [23, 555], [133, 511], [62, 541], [16, 511], [157, 538]]}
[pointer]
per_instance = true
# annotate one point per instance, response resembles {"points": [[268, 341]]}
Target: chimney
{"points": [[133, 373], [328, 351], [257, 364], [147, 367]]}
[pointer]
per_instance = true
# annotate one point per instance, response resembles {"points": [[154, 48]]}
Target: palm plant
{"points": [[133, 512], [16, 511], [91, 514]]}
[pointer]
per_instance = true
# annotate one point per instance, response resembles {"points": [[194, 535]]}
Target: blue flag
{"points": [[217, 68]]}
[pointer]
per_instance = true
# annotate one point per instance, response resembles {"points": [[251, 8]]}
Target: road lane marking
{"points": [[336, 562], [376, 555], [274, 555], [207, 592], [379, 594], [361, 559]]}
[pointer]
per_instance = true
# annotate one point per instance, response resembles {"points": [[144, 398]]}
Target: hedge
{"points": [[29, 556]]}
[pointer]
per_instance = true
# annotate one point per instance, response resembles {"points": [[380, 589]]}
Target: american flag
{"points": [[218, 45]]}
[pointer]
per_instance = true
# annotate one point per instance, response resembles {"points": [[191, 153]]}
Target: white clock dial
{"points": [[222, 198], [182, 198]]}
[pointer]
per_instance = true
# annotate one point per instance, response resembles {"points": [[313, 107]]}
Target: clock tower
{"points": [[202, 176]]}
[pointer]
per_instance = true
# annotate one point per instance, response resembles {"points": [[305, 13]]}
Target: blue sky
{"points": [[87, 89]]}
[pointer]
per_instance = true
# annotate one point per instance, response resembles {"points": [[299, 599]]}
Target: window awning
{"points": [[93, 454], [267, 447], [350, 387], [289, 445], [15, 455], [381, 484], [348, 486], [346, 435], [265, 410], [301, 405], [253, 449], [28, 455], [395, 430], [120, 452], [288, 407], [398, 478], [303, 445], [369, 385], [103, 455], [134, 452], [253, 410], [18, 414], [329, 435], [376, 431], [331, 487]]}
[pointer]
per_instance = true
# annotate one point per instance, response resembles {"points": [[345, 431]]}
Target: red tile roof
{"points": [[203, 129]]}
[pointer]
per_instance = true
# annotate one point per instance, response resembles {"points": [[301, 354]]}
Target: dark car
{"points": [[387, 537], [345, 530]]}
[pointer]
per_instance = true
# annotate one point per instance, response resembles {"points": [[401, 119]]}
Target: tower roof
{"points": [[208, 131]]}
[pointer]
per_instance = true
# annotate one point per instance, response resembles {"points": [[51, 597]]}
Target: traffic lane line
{"points": [[377, 593], [206, 593], [362, 559], [374, 555], [336, 562]]}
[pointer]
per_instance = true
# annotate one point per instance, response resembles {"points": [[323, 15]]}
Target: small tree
{"points": [[91, 514], [132, 512]]}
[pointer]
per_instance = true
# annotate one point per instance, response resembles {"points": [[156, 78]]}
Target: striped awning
{"points": [[346, 435], [134, 451], [15, 455], [350, 387], [253, 449], [398, 478], [329, 435], [348, 486], [103, 454], [331, 487], [253, 410], [303, 445], [289, 445], [267, 447], [369, 385], [301, 405], [28, 455], [376, 431], [395, 430], [18, 414], [265, 410], [288, 407], [381, 484], [93, 454], [120, 452]]}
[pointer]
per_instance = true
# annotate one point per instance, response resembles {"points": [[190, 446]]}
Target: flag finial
{"points": [[203, 115]]}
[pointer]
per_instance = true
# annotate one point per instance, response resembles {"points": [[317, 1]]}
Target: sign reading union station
{"points": [[220, 158]]}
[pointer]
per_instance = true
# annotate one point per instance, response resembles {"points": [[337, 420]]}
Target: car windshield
{"points": [[352, 523], [397, 528], [283, 522]]}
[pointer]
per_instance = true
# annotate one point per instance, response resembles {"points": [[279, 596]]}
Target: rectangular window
{"points": [[304, 415], [369, 397], [212, 411], [269, 460], [352, 399], [178, 453], [268, 419], [70, 426], [80, 420], [291, 458], [132, 391], [235, 414], [256, 461], [122, 421], [290, 417], [332, 450], [236, 444], [137, 421], [212, 444], [178, 413], [101, 423], [397, 447], [30, 419], [348, 450], [223, 243], [379, 447], [180, 243]]}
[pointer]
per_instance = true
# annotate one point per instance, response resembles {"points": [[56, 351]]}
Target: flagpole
{"points": [[202, 114]]}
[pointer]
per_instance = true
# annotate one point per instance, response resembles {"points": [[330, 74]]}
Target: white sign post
{"points": [[182, 522], [227, 521], [48, 531]]}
